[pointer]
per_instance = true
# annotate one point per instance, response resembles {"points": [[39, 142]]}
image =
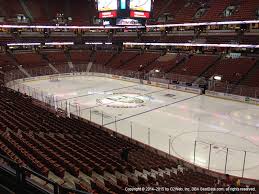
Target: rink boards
{"points": [[186, 117]]}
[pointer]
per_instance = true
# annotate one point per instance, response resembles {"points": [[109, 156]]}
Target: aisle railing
{"points": [[23, 181]]}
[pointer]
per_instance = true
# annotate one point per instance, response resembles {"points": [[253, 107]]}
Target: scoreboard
{"points": [[124, 9], [107, 5], [140, 5]]}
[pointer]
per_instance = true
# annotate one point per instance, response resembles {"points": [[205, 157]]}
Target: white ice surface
{"points": [[168, 114]]}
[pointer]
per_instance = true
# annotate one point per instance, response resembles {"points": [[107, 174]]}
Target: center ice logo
{"points": [[124, 100]]}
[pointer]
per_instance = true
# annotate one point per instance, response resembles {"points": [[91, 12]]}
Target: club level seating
{"points": [[220, 39], [125, 39], [94, 38], [177, 39], [61, 39], [148, 37], [79, 155], [7, 38], [210, 38], [250, 39]]}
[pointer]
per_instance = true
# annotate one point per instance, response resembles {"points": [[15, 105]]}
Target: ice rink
{"points": [[168, 120]]}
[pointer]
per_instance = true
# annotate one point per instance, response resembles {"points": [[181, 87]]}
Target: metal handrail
{"points": [[19, 169]]}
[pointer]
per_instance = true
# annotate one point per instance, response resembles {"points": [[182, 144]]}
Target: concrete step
{"points": [[121, 177], [85, 180], [110, 177], [141, 174], [98, 178], [132, 176]]}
